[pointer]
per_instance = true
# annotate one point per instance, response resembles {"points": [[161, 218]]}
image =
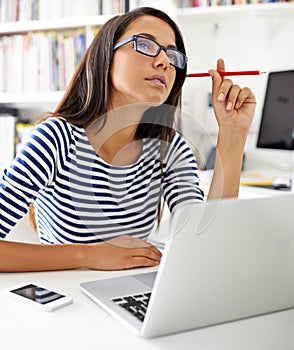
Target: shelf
{"points": [[232, 11], [53, 24], [189, 15], [30, 99], [44, 99]]}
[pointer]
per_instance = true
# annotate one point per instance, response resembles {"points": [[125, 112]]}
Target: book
{"points": [[41, 61]]}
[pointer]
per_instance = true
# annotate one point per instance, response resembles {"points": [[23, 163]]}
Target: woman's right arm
{"points": [[31, 170], [120, 253], [17, 190]]}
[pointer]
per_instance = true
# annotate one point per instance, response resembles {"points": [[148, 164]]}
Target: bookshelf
{"points": [[52, 24], [39, 30], [192, 15], [42, 42], [33, 73], [265, 9], [30, 100]]}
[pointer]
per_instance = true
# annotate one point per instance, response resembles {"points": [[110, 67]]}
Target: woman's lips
{"points": [[157, 80]]}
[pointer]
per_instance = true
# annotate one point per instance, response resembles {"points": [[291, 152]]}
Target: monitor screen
{"points": [[276, 129]]}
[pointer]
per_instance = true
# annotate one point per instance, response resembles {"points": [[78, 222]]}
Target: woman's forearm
{"points": [[119, 253], [20, 257], [228, 164]]}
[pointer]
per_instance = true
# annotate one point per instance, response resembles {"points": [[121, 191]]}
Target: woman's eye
{"points": [[172, 56], [144, 45]]}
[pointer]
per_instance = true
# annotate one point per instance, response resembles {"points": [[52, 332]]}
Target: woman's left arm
{"points": [[234, 110]]}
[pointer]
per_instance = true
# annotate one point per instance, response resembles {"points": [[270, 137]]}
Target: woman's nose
{"points": [[161, 59]]}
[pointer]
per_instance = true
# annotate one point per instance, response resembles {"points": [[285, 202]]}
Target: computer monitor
{"points": [[276, 129]]}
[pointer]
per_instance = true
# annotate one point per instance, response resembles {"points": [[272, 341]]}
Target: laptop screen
{"points": [[276, 129]]}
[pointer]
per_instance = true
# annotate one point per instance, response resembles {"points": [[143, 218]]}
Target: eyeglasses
{"points": [[150, 47]]}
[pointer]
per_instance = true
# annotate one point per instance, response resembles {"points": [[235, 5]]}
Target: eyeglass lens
{"points": [[151, 48]]}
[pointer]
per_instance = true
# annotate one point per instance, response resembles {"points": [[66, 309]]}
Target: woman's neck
{"points": [[114, 138]]}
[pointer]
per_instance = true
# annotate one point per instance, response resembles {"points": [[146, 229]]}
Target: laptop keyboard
{"points": [[135, 304]]}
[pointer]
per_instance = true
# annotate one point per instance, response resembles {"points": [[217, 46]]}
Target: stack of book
{"points": [[40, 61], [202, 3], [27, 10]]}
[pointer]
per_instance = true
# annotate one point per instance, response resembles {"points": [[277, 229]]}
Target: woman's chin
{"points": [[155, 101]]}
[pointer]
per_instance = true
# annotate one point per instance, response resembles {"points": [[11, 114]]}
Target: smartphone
{"points": [[44, 298]]}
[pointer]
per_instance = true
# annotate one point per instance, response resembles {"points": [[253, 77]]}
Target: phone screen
{"points": [[37, 294]]}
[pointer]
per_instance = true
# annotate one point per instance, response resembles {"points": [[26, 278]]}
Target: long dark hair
{"points": [[87, 96]]}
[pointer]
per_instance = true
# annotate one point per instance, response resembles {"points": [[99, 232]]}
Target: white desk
{"points": [[84, 325]]}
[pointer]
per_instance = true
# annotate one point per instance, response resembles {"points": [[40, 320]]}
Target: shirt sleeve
{"points": [[32, 169], [181, 184]]}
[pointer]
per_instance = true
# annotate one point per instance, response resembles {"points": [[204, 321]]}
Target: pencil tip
{"points": [[262, 72]]}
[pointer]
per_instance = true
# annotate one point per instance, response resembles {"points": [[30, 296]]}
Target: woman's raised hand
{"points": [[233, 106]]}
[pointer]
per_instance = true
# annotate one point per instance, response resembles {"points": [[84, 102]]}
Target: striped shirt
{"points": [[80, 198]]}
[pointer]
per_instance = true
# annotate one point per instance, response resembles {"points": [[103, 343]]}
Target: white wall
{"points": [[247, 41]]}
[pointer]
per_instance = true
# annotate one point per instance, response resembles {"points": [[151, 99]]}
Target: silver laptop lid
{"points": [[226, 260]]}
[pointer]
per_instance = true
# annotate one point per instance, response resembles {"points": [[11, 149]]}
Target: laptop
{"points": [[224, 260]]}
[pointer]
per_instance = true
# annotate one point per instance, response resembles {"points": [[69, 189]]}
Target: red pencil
{"points": [[248, 72]]}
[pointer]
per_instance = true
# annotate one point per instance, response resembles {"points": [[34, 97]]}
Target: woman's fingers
{"points": [[216, 83], [245, 95], [129, 252], [125, 258], [220, 65], [139, 261], [232, 95], [225, 91], [148, 253], [126, 241], [217, 79], [229, 93]]}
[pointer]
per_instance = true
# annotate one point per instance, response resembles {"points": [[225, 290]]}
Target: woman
{"points": [[98, 167]]}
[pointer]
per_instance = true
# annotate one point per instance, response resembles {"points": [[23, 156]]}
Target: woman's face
{"points": [[138, 78]]}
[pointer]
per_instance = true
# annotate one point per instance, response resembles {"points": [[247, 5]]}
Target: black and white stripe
{"points": [[78, 197]]}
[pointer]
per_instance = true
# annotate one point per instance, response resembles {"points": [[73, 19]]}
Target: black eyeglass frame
{"points": [[134, 38]]}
